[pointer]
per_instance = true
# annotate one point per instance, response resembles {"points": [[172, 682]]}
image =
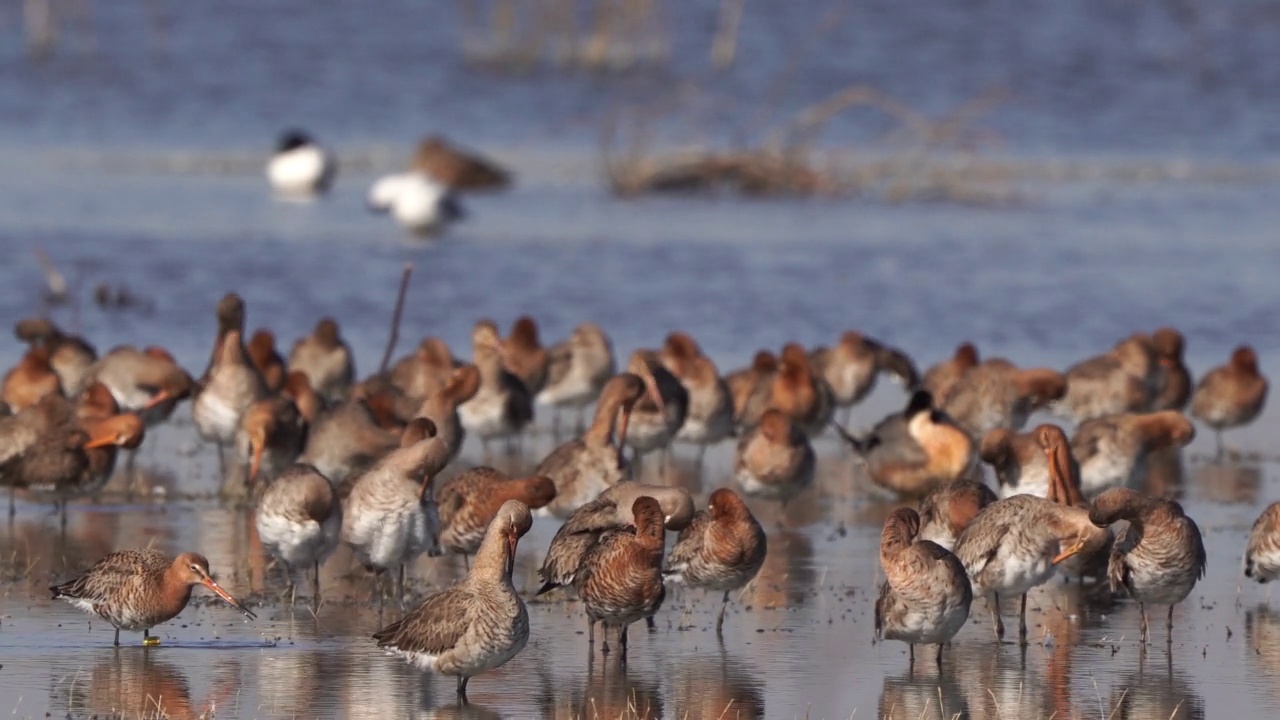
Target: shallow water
{"points": [[135, 160]]}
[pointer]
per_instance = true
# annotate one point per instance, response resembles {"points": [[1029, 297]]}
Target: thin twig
{"points": [[395, 318]]}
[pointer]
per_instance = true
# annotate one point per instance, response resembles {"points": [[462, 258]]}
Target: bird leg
{"points": [[911, 657], [1168, 640], [604, 647], [12, 509], [591, 633], [315, 586], [995, 618], [649, 623], [400, 586], [1142, 609], [622, 640], [117, 640], [466, 562], [1217, 436], [462, 690], [720, 620], [1022, 622], [938, 659]]}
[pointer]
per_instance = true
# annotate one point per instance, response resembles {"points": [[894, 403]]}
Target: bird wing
{"points": [[689, 543], [110, 575], [433, 627]]}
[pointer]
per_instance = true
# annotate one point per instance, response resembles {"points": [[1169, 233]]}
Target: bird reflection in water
{"points": [[911, 696], [609, 692], [787, 573], [140, 684], [711, 688], [1228, 482], [1155, 691], [1262, 633], [1165, 476]]}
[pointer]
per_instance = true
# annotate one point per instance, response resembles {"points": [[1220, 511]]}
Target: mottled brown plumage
{"points": [[774, 459], [478, 624], [947, 511], [721, 550], [749, 387], [470, 501], [1262, 553], [941, 378], [70, 356], [612, 510], [299, 520], [1173, 380], [441, 407], [998, 394], [346, 440], [852, 366], [139, 589], [264, 356], [800, 393], [709, 418], [1112, 450], [1230, 395], [926, 594], [325, 359], [502, 405], [585, 467], [1121, 380], [524, 356], [620, 578], [1158, 558], [30, 380], [457, 168]]}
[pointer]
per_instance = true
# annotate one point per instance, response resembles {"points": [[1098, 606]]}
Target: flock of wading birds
{"points": [[327, 459]]}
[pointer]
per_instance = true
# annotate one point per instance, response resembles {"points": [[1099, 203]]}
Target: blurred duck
{"points": [[478, 624], [457, 168], [346, 440], [926, 594], [300, 169], [947, 511], [30, 380], [620, 578], [441, 407], [469, 502], [272, 435], [41, 444], [299, 521], [231, 383], [800, 393], [998, 394], [658, 415], [1014, 544], [1262, 554], [502, 406], [1112, 451], [424, 372], [583, 468], [1173, 380], [1064, 489], [852, 366], [1158, 558], [298, 389], [263, 355], [420, 204], [710, 416], [325, 359], [577, 370], [941, 378], [774, 459], [749, 388], [1122, 380], [1231, 395], [69, 355], [391, 517], [721, 550], [915, 451], [93, 461], [148, 382], [524, 355], [612, 510], [1020, 463]]}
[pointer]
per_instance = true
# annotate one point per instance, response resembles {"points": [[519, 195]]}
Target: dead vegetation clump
{"points": [[921, 159]]}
